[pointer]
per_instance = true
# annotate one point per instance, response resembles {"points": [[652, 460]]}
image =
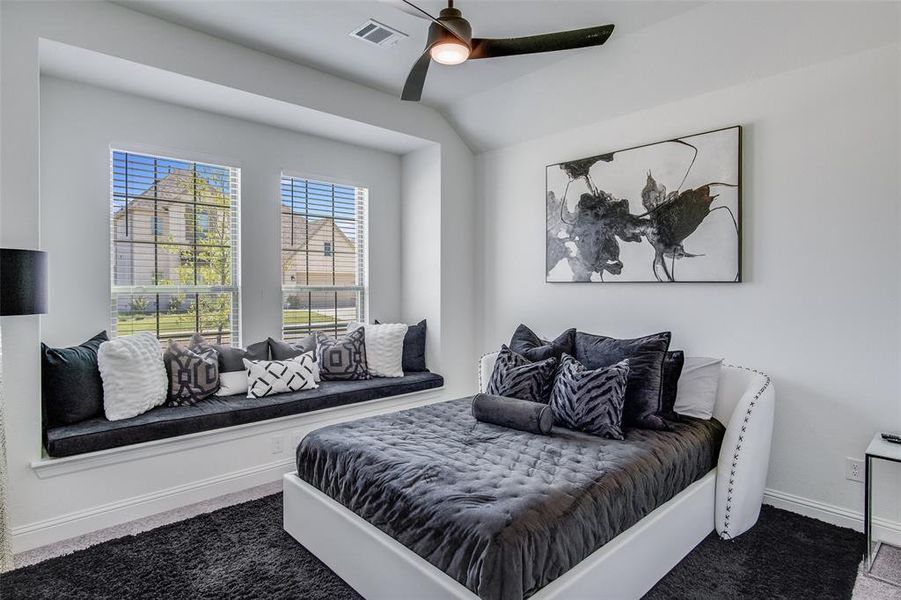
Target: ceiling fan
{"points": [[450, 42]]}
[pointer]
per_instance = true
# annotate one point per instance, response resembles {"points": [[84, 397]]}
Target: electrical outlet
{"points": [[278, 444], [854, 469]]}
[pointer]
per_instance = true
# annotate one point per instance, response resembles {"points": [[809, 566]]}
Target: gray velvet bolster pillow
{"points": [[514, 413]]}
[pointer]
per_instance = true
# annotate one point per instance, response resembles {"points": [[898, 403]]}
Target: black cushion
{"points": [[643, 407], [414, 348], [590, 401], [515, 376], [231, 359], [70, 382], [513, 413], [217, 412], [526, 343], [672, 370], [281, 350]]}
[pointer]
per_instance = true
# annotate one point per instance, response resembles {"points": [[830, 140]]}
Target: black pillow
{"points": [[231, 359], [644, 405], [526, 343], [414, 348], [672, 370], [515, 376], [590, 401], [279, 350], [70, 382]]}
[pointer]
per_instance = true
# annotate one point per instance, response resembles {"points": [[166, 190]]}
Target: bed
{"points": [[430, 503]]}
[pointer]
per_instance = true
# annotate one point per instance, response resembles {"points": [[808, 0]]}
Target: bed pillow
{"points": [[414, 348], [515, 376], [192, 371], [644, 392], [232, 372], [672, 370], [590, 400], [698, 387], [384, 348], [343, 359], [268, 377], [281, 350], [134, 378], [526, 342], [70, 382]]}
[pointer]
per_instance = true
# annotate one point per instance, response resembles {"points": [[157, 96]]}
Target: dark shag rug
{"points": [[242, 552]]}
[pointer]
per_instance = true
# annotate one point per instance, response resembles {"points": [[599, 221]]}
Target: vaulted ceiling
{"points": [[315, 33]]}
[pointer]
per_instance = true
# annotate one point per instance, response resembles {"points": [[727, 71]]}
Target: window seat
{"points": [[224, 411]]}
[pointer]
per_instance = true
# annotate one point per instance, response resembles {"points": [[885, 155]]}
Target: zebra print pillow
{"points": [[590, 401], [515, 376]]}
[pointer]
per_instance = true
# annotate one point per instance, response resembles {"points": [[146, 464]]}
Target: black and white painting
{"points": [[666, 212]]}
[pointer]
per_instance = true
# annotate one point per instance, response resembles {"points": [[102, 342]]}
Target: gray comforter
{"points": [[504, 512]]}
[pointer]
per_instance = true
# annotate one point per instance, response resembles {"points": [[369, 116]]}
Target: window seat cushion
{"points": [[217, 412]]}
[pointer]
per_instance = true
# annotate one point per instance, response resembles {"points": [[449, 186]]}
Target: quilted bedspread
{"points": [[503, 512]]}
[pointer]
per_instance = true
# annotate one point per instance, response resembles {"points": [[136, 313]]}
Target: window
{"points": [[323, 229], [175, 250]]}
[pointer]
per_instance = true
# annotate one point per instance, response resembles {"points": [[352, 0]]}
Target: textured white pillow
{"points": [[698, 384], [133, 374], [384, 348], [267, 377]]}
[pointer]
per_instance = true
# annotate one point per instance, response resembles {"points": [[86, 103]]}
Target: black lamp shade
{"points": [[23, 282]]}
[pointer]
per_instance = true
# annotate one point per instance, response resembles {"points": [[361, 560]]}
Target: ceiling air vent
{"points": [[377, 33]]}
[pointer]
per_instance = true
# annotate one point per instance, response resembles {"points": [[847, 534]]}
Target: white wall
{"points": [[819, 306], [80, 123], [100, 493]]}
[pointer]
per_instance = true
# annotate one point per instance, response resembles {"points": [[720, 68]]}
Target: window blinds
{"points": [[323, 256], [175, 230]]}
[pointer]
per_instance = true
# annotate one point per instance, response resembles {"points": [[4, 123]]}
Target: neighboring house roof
{"points": [[177, 184], [302, 236]]}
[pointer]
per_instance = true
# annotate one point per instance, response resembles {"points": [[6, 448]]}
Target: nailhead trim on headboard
{"points": [[741, 436], [479, 368]]}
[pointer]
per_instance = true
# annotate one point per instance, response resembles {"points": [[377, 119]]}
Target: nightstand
{"points": [[883, 450]]}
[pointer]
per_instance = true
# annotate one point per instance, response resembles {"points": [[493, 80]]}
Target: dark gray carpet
{"points": [[242, 552]]}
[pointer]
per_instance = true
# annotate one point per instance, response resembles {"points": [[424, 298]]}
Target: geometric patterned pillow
{"points": [[267, 377], [193, 371], [590, 401], [515, 376], [343, 359]]}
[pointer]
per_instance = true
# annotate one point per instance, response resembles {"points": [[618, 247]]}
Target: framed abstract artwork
{"points": [[664, 212]]}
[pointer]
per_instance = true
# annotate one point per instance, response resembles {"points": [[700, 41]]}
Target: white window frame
{"points": [[120, 291], [362, 227]]}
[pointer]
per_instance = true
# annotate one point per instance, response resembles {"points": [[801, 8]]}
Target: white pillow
{"points": [[133, 374], [267, 377], [231, 383], [696, 392], [384, 348]]}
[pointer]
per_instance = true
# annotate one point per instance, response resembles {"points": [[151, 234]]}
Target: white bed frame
{"points": [[727, 500]]}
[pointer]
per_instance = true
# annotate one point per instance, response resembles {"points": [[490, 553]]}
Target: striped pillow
{"points": [[590, 401], [515, 376]]}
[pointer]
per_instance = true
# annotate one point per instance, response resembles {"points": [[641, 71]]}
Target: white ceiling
{"points": [[315, 33]]}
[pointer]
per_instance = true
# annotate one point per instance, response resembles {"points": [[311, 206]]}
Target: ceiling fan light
{"points": [[449, 53]]}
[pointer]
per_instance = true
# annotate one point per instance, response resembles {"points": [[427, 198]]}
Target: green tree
{"points": [[209, 260]]}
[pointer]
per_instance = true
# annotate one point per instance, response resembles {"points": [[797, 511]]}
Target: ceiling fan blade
{"points": [[411, 9], [416, 78], [547, 42]]}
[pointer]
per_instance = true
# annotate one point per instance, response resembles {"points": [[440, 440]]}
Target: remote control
{"points": [[892, 437]]}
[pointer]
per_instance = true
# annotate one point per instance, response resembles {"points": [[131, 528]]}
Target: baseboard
{"points": [[40, 533], [883, 529]]}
